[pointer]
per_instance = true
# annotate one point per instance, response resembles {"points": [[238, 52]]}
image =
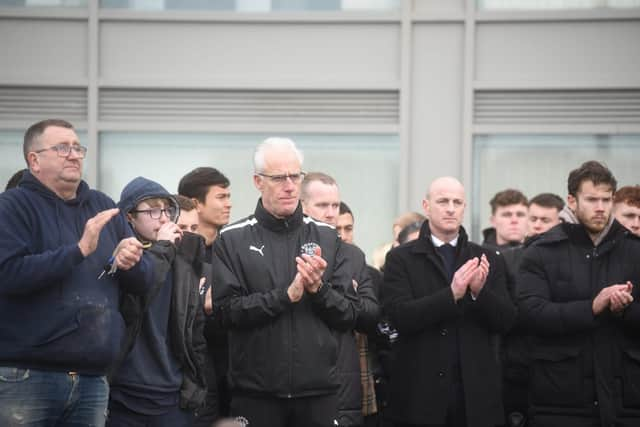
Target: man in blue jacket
{"points": [[60, 328]]}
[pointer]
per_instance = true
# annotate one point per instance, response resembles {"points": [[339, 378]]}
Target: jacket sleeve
{"points": [[493, 305], [233, 304], [369, 312], [538, 313], [333, 304], [23, 271], [411, 315]]}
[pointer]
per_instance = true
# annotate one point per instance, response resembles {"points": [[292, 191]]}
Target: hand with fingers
{"points": [[170, 231], [128, 253], [621, 297], [91, 234], [604, 299], [295, 289], [311, 268], [480, 277], [462, 278], [208, 297]]}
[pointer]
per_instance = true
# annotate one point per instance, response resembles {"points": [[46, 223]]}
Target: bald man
{"points": [[447, 297]]}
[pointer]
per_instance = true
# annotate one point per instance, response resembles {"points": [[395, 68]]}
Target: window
{"points": [[363, 165], [253, 5], [555, 4], [541, 163], [11, 154]]}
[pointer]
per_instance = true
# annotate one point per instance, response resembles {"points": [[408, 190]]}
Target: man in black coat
{"points": [[576, 296], [447, 297]]}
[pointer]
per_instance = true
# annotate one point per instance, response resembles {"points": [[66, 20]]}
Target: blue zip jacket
{"points": [[54, 312]]}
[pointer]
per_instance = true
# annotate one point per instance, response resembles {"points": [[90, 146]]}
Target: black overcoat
{"points": [[417, 295]]}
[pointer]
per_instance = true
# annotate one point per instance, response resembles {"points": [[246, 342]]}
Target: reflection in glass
{"points": [[554, 4], [252, 5], [363, 165], [541, 163]]}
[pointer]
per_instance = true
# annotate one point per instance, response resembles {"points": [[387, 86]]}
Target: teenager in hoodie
{"points": [[160, 381], [60, 328]]}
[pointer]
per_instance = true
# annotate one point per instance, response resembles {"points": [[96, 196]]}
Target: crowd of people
{"points": [[155, 311]]}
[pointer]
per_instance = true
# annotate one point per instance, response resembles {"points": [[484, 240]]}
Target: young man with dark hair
{"points": [[626, 208], [60, 327], [508, 220], [544, 213], [209, 190], [578, 298], [160, 381], [188, 219]]}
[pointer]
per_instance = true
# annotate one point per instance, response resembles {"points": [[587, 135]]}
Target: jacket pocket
{"points": [[631, 378], [556, 377]]}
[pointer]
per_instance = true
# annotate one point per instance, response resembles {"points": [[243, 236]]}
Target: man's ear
{"points": [[197, 204], [33, 162], [572, 202], [425, 207], [257, 181]]}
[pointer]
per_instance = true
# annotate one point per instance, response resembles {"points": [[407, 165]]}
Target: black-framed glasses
{"points": [[295, 178], [156, 213], [64, 150]]}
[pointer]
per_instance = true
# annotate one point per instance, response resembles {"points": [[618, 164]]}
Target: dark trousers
{"points": [[121, 416], [314, 411], [456, 413]]}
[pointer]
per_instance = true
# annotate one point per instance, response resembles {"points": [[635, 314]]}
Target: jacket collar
{"points": [[424, 244], [34, 184], [278, 224], [578, 235]]}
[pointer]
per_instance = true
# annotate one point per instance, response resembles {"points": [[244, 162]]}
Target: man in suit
{"points": [[447, 297]]}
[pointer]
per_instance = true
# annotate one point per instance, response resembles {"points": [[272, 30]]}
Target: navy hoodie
{"points": [[54, 312], [149, 380]]}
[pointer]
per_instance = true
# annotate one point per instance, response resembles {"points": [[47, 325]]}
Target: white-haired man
{"points": [[279, 288]]}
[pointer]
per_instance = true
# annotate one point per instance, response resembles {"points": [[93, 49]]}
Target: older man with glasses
{"points": [[60, 327], [279, 289]]}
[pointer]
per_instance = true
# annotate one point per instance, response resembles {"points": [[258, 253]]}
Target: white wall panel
{"points": [[574, 53], [248, 54], [426, 7], [36, 51], [436, 105]]}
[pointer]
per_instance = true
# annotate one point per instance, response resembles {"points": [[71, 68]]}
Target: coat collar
{"points": [[272, 223], [425, 245]]}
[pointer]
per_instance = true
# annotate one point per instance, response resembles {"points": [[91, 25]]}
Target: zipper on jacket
{"points": [[287, 239]]}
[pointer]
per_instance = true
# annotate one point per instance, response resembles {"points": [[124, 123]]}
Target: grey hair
{"points": [[270, 143]]}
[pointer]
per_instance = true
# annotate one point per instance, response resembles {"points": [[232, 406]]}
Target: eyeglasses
{"points": [[155, 213], [64, 150], [295, 178]]}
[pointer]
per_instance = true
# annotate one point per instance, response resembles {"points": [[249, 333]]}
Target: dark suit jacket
{"points": [[433, 328]]}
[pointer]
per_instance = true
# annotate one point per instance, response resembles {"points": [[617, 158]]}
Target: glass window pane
{"points": [[554, 4], [541, 163], [357, 162], [43, 3], [11, 154], [252, 5]]}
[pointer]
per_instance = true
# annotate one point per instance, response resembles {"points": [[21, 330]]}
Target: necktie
{"points": [[448, 254]]}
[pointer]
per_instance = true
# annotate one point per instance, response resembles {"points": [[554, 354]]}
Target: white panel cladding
{"points": [[29, 104], [218, 54], [557, 107], [436, 105], [33, 51], [303, 107], [587, 53]]}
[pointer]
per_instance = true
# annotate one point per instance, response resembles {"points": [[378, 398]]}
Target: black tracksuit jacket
{"points": [[278, 348]]}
